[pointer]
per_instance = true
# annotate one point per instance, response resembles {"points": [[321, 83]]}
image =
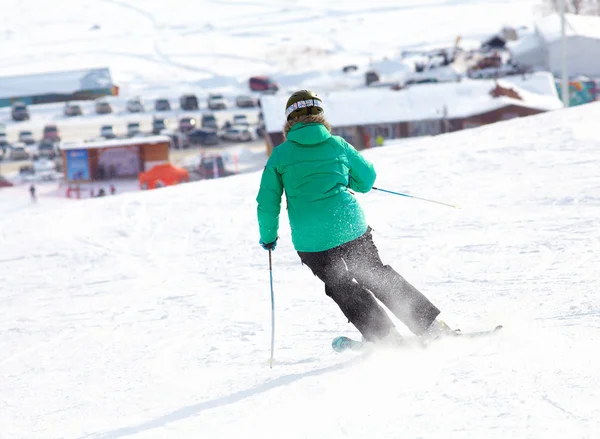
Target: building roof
{"points": [[115, 143], [453, 100], [66, 82], [588, 26]]}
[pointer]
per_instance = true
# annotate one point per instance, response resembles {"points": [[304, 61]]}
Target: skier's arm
{"points": [[362, 173], [269, 201]]}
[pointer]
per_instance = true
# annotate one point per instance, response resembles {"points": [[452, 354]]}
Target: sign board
{"points": [[78, 167]]}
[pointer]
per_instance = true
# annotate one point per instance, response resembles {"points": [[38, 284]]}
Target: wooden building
{"points": [[362, 115], [117, 158]]}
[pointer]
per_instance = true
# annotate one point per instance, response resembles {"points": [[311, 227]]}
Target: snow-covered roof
{"points": [[526, 42], [66, 82], [542, 83], [115, 143], [419, 102], [549, 27]]}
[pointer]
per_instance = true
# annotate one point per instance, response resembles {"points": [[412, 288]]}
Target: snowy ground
{"points": [[158, 48], [147, 315]]}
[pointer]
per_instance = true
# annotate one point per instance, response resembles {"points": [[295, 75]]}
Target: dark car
{"points": [[51, 133], [158, 124], [208, 120], [162, 105], [71, 110], [262, 83], [188, 102], [245, 101], [203, 137], [47, 149], [187, 124], [103, 107], [19, 111]]}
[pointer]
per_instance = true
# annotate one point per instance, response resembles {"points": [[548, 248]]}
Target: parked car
{"points": [[17, 152], [133, 129], [245, 101], [158, 124], [107, 131], [238, 133], [263, 83], [51, 132], [71, 110], [26, 137], [203, 136], [240, 119], [188, 102], [47, 149], [208, 120], [19, 111], [217, 102], [186, 124], [103, 107], [3, 141], [162, 104], [135, 105]]}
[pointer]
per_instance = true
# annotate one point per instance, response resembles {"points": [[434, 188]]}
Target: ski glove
{"points": [[268, 246]]}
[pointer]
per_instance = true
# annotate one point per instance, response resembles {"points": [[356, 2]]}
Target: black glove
{"points": [[268, 246]]}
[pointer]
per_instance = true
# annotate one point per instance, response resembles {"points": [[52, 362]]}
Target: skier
{"points": [[330, 233], [32, 193]]}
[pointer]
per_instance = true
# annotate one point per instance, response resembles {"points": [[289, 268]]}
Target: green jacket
{"points": [[316, 170]]}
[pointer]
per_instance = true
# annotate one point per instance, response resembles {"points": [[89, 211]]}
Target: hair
{"points": [[311, 118]]}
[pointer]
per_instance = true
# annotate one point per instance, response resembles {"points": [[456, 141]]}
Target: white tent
{"points": [[542, 48]]}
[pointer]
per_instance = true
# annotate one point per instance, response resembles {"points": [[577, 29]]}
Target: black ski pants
{"points": [[354, 275]]}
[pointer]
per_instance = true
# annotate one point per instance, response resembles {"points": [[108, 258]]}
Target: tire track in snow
{"points": [[140, 11]]}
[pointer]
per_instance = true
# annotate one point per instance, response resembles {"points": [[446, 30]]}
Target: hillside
{"points": [[147, 315]]}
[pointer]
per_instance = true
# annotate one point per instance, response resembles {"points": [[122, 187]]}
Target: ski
{"points": [[343, 343]]}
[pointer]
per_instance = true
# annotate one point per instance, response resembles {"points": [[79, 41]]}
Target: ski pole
{"points": [[416, 198], [272, 312]]}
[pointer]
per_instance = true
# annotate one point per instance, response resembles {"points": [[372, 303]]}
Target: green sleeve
{"points": [[269, 201], [362, 172]]}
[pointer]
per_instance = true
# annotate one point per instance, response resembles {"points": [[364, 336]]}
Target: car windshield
{"points": [[133, 125], [50, 129], [20, 107], [26, 133], [216, 97]]}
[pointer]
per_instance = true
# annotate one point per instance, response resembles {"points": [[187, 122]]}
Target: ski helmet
{"points": [[303, 103]]}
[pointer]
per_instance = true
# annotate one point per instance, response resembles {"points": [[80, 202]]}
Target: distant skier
{"points": [[32, 193], [317, 171]]}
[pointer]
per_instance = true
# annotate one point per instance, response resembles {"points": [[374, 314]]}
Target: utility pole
{"points": [[563, 55]]}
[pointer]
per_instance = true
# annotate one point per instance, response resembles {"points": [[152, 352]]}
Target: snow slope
{"points": [[147, 315]]}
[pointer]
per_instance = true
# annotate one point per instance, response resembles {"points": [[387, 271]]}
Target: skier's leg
{"points": [[406, 302], [358, 305]]}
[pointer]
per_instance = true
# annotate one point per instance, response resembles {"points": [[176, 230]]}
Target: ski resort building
{"points": [[44, 88], [361, 116], [108, 159], [542, 47]]}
